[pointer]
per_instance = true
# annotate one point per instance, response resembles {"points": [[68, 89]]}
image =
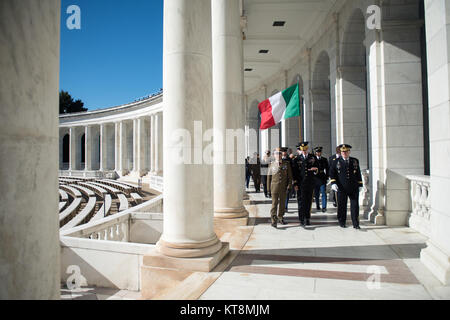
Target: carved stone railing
{"points": [[157, 183], [364, 196], [115, 227], [420, 192], [87, 174]]}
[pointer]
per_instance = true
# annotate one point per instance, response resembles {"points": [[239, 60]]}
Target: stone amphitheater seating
{"points": [[71, 190], [87, 192], [81, 199], [110, 189], [63, 195], [62, 205], [123, 202], [100, 191], [69, 212], [83, 216], [136, 197], [122, 187], [104, 209]]}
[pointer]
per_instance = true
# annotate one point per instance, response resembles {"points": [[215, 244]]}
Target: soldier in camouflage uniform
{"points": [[279, 180]]}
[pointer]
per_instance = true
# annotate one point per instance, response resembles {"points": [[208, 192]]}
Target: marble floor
{"points": [[324, 261], [95, 293], [320, 261]]}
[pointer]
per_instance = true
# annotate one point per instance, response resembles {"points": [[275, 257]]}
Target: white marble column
{"points": [[397, 148], [158, 143], [123, 151], [118, 164], [88, 148], [72, 149], [229, 112], [139, 148], [152, 144], [188, 198], [135, 147], [103, 146], [29, 229], [437, 254]]}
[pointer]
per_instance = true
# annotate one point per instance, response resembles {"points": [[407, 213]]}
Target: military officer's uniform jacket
{"points": [[301, 165], [323, 172], [279, 176], [346, 176]]}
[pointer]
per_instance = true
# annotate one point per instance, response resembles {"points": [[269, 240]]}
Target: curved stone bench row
{"points": [[123, 202], [63, 195], [127, 184], [123, 188], [71, 190], [136, 198], [110, 189], [70, 211], [100, 191], [87, 192], [83, 216], [62, 205], [104, 209]]}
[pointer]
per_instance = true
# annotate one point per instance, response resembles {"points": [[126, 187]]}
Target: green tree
{"points": [[68, 105]]}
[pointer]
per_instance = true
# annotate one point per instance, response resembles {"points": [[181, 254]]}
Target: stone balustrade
{"points": [[116, 227], [420, 192]]}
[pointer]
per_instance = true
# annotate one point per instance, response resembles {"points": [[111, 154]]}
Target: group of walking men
{"points": [[303, 174]]}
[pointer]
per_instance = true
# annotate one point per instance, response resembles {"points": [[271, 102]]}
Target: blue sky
{"points": [[116, 57]]}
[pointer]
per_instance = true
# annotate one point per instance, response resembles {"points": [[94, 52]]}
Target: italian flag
{"points": [[283, 105]]}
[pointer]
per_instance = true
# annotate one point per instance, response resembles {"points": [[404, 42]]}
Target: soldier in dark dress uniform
{"points": [[346, 180], [265, 162], [279, 180], [305, 168], [255, 168], [322, 178], [331, 161]]}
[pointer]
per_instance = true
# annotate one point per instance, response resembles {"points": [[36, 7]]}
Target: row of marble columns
{"points": [[203, 81], [129, 146]]}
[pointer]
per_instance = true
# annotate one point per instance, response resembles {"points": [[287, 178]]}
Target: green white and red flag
{"points": [[282, 105]]}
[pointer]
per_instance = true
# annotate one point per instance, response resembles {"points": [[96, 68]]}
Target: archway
{"points": [[82, 152], [353, 124], [66, 152], [321, 104]]}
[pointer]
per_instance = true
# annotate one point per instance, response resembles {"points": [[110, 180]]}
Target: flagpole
{"points": [[300, 125]]}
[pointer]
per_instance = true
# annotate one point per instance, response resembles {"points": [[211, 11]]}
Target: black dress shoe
{"points": [[308, 223], [274, 224], [334, 204], [282, 221], [324, 210], [318, 208], [357, 227], [343, 225], [302, 223]]}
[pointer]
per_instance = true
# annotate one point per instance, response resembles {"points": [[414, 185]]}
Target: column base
{"points": [[160, 273], [437, 261], [228, 220]]}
